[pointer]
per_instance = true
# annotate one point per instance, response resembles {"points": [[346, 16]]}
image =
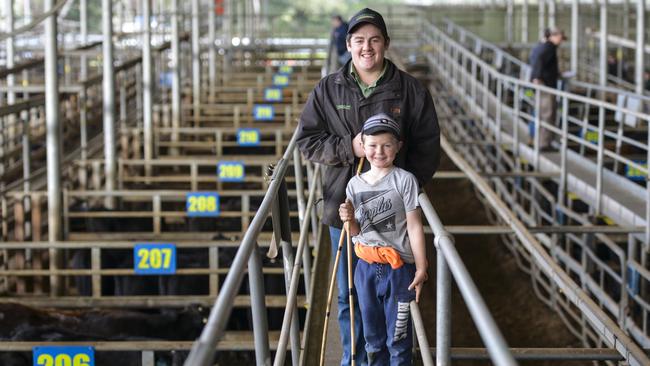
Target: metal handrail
{"points": [[203, 349], [452, 26], [605, 327], [452, 64], [517, 84], [492, 337]]}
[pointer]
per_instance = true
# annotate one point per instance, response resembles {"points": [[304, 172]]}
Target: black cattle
{"points": [[22, 323]]}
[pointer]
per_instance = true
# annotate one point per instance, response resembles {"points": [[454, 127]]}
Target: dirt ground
{"points": [[523, 319]]}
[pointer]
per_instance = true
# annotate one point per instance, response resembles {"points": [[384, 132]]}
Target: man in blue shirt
{"points": [[546, 71]]}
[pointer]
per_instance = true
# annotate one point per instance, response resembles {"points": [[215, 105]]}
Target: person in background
{"points": [[339, 32], [546, 71]]}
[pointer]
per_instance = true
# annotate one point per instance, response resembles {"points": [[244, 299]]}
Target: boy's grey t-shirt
{"points": [[380, 209]]}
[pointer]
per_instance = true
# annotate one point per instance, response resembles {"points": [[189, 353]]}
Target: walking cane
{"points": [[351, 296], [330, 292]]}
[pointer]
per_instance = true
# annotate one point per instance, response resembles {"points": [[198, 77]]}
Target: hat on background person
{"points": [[553, 31], [370, 16], [381, 123]]}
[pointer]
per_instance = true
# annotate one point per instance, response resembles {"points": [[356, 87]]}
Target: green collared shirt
{"points": [[366, 89]]}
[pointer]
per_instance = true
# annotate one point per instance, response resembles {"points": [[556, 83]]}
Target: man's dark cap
{"points": [[370, 16], [381, 123]]}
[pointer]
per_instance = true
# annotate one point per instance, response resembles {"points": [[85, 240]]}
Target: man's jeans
{"points": [[344, 304], [384, 299]]}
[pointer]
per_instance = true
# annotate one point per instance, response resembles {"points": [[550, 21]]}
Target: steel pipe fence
{"points": [[513, 66], [465, 74], [97, 269], [203, 349], [492, 337]]}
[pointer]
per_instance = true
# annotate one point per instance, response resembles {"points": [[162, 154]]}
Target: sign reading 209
{"points": [[231, 171], [154, 259], [202, 204], [64, 356]]}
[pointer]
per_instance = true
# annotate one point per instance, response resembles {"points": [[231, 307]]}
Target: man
{"points": [[339, 33], [330, 126], [546, 71]]}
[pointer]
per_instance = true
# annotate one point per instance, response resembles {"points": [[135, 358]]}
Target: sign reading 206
{"points": [[154, 259], [63, 356]]}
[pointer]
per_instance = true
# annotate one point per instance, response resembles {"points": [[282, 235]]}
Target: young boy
{"points": [[381, 207]]}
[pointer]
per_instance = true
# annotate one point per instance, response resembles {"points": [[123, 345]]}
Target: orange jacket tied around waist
{"points": [[383, 255]]}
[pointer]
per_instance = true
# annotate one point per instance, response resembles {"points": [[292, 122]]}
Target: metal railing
{"points": [[483, 89], [205, 346], [448, 260], [203, 349], [511, 65]]}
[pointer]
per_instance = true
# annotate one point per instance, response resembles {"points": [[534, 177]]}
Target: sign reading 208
{"points": [[63, 356], [202, 204]]}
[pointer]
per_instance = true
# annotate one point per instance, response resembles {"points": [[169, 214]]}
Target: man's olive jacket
{"points": [[335, 112]]}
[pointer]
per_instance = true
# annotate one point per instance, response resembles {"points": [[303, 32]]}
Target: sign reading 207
{"points": [[63, 356], [154, 259]]}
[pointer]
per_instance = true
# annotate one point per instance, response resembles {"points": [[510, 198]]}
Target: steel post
{"points": [[421, 334], [575, 36], [541, 23], [288, 261], [176, 76], [212, 52], [108, 87], [509, 21], [147, 89], [83, 31], [300, 196], [640, 45], [602, 64], [443, 310], [196, 63], [258, 308], [524, 21], [53, 143], [551, 13], [9, 50]]}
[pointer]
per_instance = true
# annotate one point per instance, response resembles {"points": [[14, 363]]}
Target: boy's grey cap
{"points": [[381, 123], [367, 15]]}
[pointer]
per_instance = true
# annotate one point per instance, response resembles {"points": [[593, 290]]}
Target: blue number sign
{"points": [[202, 204], [63, 355], [273, 94], [248, 137], [636, 173], [591, 136], [286, 69], [263, 112], [280, 79], [154, 259], [231, 171]]}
